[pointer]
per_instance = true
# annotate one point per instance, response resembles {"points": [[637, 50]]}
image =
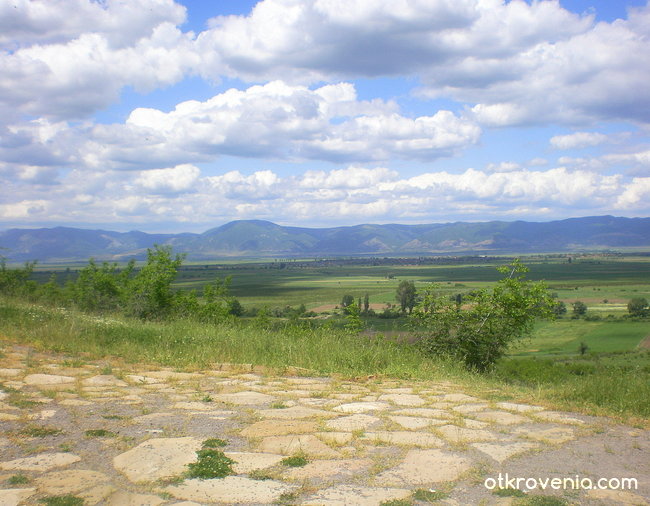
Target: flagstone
{"points": [[15, 496], [10, 372], [295, 412], [470, 408], [329, 469], [246, 398], [69, 482], [421, 467], [457, 434], [501, 417], [157, 458], [48, 379], [8, 417], [245, 462], [196, 406], [230, 490], [407, 438], [345, 495], [74, 402], [41, 462], [402, 399], [143, 380], [503, 451], [96, 494], [352, 422], [274, 428], [362, 407], [299, 443]]}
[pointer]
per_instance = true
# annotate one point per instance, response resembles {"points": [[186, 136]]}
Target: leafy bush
{"points": [[480, 332]]}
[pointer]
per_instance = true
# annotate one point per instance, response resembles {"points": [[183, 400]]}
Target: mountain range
{"points": [[255, 238]]}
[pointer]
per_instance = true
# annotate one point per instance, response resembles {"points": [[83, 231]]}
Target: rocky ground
{"points": [[112, 435]]}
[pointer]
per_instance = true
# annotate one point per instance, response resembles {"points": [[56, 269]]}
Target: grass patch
{"points": [[260, 475], [509, 492], [422, 494], [18, 479], [210, 464], [295, 461], [100, 433], [214, 443], [540, 500], [40, 431], [62, 500]]}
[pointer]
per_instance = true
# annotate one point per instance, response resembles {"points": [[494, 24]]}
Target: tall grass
{"points": [[584, 385]]}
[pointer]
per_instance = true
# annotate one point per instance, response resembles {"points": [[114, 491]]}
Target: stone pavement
{"points": [[125, 436]]}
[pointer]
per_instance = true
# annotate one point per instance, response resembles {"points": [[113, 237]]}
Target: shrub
{"points": [[481, 332]]}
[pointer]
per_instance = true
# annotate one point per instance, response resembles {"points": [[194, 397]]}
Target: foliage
{"points": [[579, 308], [480, 332], [15, 281], [638, 307], [353, 321], [295, 461], [347, 300], [406, 295], [210, 464]]}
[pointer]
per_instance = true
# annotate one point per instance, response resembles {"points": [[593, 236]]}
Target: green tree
{"points": [[347, 300], [638, 306], [150, 295], [15, 281], [353, 322], [406, 296], [366, 302], [490, 320], [100, 287], [579, 309]]}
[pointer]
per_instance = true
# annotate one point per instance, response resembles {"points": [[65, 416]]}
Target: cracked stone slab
{"points": [[554, 416], [42, 462], [230, 490], [403, 399], [352, 422], [345, 495], [362, 407], [157, 458], [274, 428], [291, 444], [503, 451], [422, 467], [421, 439], [339, 438]]}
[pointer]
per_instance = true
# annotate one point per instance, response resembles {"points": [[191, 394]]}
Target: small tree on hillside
{"points": [[579, 309], [480, 331], [406, 296], [638, 307]]}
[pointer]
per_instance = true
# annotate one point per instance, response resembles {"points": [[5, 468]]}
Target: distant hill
{"points": [[255, 238]]}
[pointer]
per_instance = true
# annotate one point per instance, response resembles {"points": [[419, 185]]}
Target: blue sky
{"points": [[168, 116]]}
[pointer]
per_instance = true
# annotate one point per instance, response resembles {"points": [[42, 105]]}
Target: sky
{"points": [[171, 116]]}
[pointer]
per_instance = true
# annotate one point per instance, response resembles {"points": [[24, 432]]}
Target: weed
{"points": [[100, 433], [214, 443], [397, 502], [430, 495], [509, 492], [287, 499], [62, 500], [295, 461], [279, 405], [210, 464], [65, 447], [260, 474], [18, 479], [41, 431], [113, 417], [206, 398], [540, 500]]}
